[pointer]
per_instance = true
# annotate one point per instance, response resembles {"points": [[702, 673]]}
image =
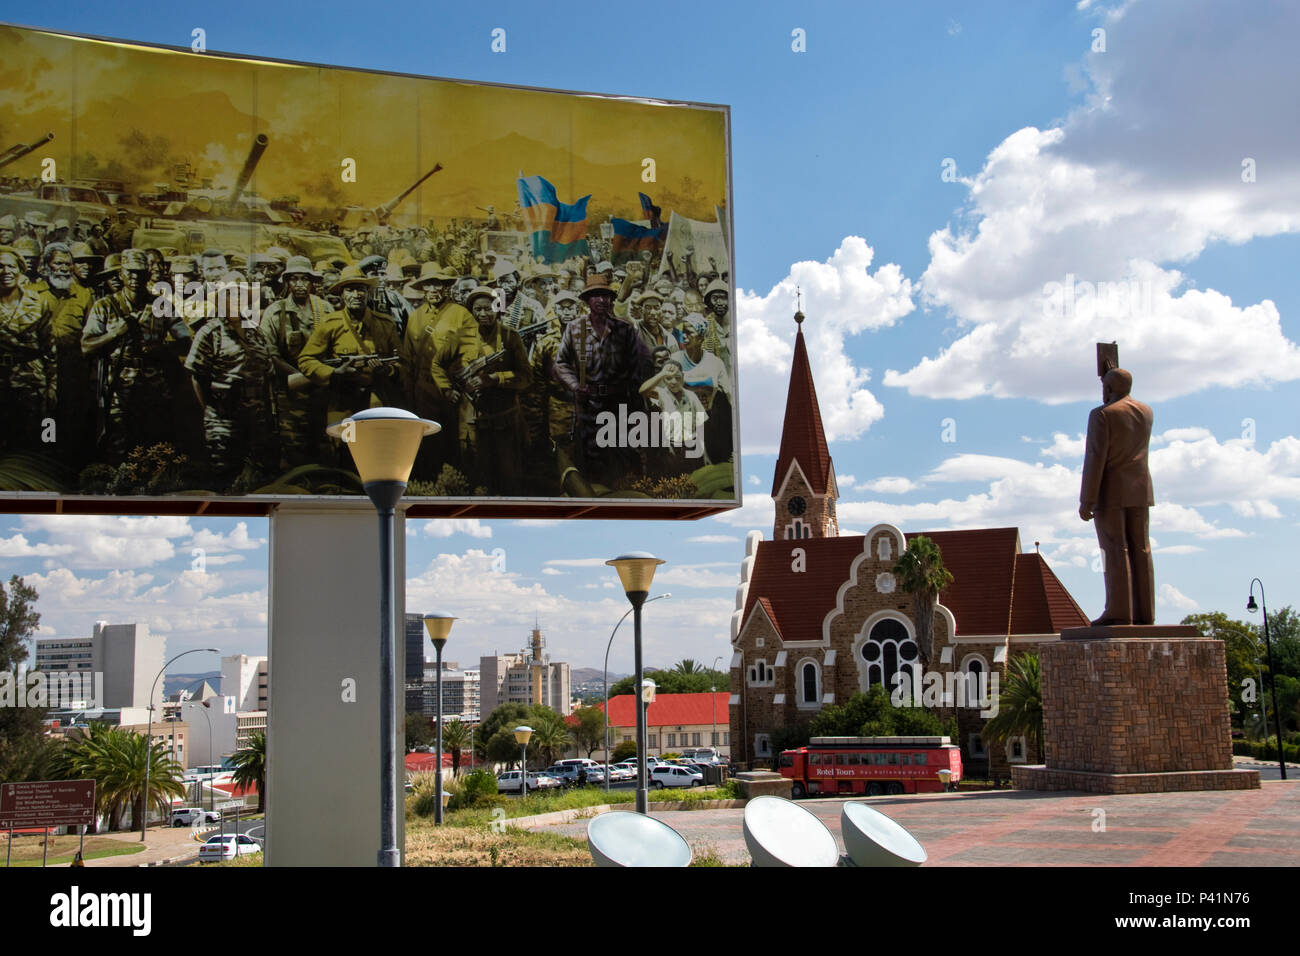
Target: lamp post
{"points": [[1251, 606], [439, 627], [522, 735], [636, 572], [383, 443], [148, 742], [713, 700], [206, 707], [605, 679]]}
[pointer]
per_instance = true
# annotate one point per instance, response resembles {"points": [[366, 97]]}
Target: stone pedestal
{"points": [[764, 783], [1135, 714]]}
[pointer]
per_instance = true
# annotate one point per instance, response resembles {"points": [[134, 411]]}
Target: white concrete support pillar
{"points": [[322, 777]]}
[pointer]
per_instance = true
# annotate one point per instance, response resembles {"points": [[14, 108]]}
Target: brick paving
{"points": [[1031, 828]]}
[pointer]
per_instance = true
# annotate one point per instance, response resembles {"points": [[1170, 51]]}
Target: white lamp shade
{"points": [[383, 441], [636, 569], [523, 735], [781, 833], [648, 691], [873, 839], [619, 838]]}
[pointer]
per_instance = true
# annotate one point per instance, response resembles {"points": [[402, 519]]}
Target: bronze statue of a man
{"points": [[1116, 495]]}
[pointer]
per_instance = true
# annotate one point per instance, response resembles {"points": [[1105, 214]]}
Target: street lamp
{"points": [[636, 571], [522, 735], [439, 627], [713, 701], [206, 707], [148, 743], [1252, 607], [383, 443], [605, 679]]}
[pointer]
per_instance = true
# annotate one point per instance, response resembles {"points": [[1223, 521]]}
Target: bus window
{"points": [[853, 759], [787, 760], [814, 759], [839, 760], [905, 759], [891, 759], [919, 759]]}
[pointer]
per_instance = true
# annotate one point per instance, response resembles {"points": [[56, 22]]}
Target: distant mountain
{"points": [[580, 675], [173, 683]]}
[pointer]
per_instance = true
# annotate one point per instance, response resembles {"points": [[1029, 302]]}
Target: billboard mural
{"points": [[206, 259]]}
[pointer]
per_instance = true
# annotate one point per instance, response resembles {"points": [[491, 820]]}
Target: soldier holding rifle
{"points": [[498, 372], [286, 326]]}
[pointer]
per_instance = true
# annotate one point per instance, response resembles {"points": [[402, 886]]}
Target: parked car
{"points": [[508, 782], [227, 847], [190, 816], [668, 775]]}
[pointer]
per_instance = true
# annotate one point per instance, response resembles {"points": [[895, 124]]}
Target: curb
{"points": [[583, 813]]}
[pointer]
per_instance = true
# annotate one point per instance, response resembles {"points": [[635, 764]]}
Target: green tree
{"points": [[1284, 635], [688, 666], [921, 573], [419, 731], [250, 767], [115, 759], [455, 738], [1020, 706], [25, 753], [623, 750], [675, 682], [508, 716], [589, 731], [848, 719], [1244, 650], [502, 747]]}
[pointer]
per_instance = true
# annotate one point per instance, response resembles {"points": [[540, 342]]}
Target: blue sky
{"points": [[925, 298]]}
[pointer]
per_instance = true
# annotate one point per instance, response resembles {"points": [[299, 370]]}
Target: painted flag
{"points": [[630, 238], [559, 229], [651, 211]]}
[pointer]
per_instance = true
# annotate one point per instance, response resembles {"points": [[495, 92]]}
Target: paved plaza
{"points": [[1031, 828]]}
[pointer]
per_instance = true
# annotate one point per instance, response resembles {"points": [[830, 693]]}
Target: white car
{"points": [[227, 847], [670, 775], [508, 782], [192, 816]]}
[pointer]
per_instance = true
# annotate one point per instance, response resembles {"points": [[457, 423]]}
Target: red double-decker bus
{"points": [[871, 766]]}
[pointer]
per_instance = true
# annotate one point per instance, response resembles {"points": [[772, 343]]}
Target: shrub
{"points": [[626, 750], [473, 790]]}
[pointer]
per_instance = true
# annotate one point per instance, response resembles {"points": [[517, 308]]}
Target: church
{"points": [[820, 616]]}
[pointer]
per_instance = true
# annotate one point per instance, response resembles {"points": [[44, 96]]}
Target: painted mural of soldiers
{"points": [[496, 461], [354, 331], [602, 362], [441, 336], [559, 400], [120, 233], [137, 349], [23, 346], [63, 303], [230, 366], [520, 309], [384, 300], [286, 326]]}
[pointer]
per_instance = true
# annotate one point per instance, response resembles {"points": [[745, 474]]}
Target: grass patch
{"points": [[247, 859], [576, 798], [429, 845], [27, 850]]}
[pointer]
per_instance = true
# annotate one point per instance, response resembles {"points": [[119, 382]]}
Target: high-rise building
{"points": [[528, 677], [413, 629], [245, 679], [460, 692], [127, 655]]}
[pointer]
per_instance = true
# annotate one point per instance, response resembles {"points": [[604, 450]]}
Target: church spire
{"points": [[803, 443]]}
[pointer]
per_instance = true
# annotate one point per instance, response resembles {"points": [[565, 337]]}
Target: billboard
{"points": [[207, 259]]}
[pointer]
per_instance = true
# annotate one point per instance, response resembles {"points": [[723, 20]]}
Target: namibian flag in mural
{"points": [[630, 238], [559, 229]]}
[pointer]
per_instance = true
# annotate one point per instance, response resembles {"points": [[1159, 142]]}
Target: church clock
{"points": [[797, 506]]}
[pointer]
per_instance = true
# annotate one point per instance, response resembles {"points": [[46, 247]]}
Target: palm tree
{"points": [[921, 573], [115, 759], [688, 666], [455, 738], [1020, 706], [550, 735], [250, 767]]}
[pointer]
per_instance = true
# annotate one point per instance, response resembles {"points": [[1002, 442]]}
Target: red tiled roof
{"points": [[234, 790], [983, 563], [802, 437], [1041, 604], [416, 762], [670, 709]]}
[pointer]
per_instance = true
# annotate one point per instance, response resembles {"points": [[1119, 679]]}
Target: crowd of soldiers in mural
{"points": [[106, 348]]}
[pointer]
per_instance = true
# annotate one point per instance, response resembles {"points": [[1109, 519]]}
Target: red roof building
{"points": [[820, 616], [673, 721]]}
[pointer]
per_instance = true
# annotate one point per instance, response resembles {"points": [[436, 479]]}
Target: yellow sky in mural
{"points": [[146, 108]]}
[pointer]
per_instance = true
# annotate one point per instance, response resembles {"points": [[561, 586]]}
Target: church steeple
{"points": [[803, 487]]}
